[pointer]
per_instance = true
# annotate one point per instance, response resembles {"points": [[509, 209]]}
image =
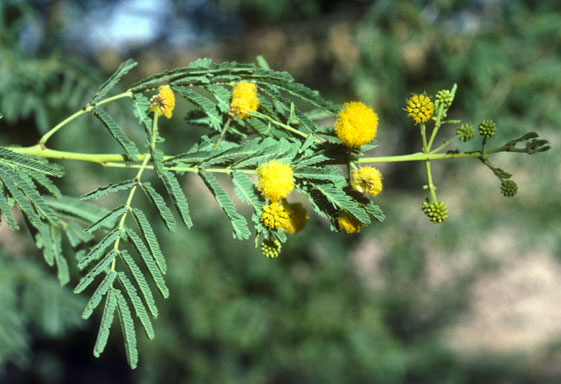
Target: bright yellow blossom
{"points": [[164, 102], [349, 223], [420, 108], [367, 180], [297, 217], [356, 124], [244, 100], [274, 216], [274, 180]]}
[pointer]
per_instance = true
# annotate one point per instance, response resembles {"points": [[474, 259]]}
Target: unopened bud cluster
{"points": [[465, 132], [445, 98], [509, 188], [487, 128], [271, 248], [437, 212]]}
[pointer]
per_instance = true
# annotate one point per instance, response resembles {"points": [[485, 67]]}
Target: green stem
{"points": [[436, 126], [285, 126], [223, 132], [51, 132], [446, 143], [430, 184], [133, 190]]}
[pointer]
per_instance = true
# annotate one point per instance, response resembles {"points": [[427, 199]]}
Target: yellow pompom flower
{"points": [[420, 108], [164, 102], [274, 216], [356, 124], [349, 223], [274, 180], [367, 180], [297, 217], [244, 100]]}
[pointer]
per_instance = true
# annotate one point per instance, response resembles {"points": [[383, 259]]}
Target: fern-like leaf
{"points": [[150, 238], [117, 133], [149, 261], [98, 294], [108, 219], [137, 304], [99, 248], [123, 69], [127, 326], [160, 204], [246, 190], [239, 224], [140, 281], [106, 321], [178, 197], [96, 271], [115, 187]]}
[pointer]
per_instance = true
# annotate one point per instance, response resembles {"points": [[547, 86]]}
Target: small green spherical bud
{"points": [[445, 98], [436, 212], [487, 128], [271, 248], [465, 132], [509, 188]]}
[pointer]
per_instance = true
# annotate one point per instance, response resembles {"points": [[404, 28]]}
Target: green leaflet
{"points": [[327, 173], [95, 271], [239, 224], [246, 190], [123, 69], [140, 281], [178, 197], [19, 197], [99, 248], [26, 185], [375, 211], [107, 220], [341, 200], [63, 273], [45, 182], [222, 96], [141, 106], [160, 204], [98, 294], [107, 189], [117, 133], [75, 208], [149, 261], [207, 106], [150, 238], [106, 321], [137, 304], [29, 163], [127, 326], [6, 211]]}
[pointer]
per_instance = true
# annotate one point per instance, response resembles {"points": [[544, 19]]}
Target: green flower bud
{"points": [[509, 188], [487, 128], [445, 98], [271, 248], [436, 212], [465, 132]]}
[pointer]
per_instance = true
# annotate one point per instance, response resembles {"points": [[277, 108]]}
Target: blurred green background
{"points": [[474, 300]]}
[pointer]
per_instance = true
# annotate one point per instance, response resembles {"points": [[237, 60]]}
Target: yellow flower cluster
{"points": [[297, 217], [275, 216], [164, 102], [349, 223], [367, 180], [420, 108], [244, 100], [274, 180], [356, 124]]}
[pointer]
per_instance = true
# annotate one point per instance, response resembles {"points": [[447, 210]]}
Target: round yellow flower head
{"points": [[274, 216], [244, 100], [356, 124], [297, 217], [274, 180], [419, 108], [367, 180], [164, 102], [349, 223]]}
